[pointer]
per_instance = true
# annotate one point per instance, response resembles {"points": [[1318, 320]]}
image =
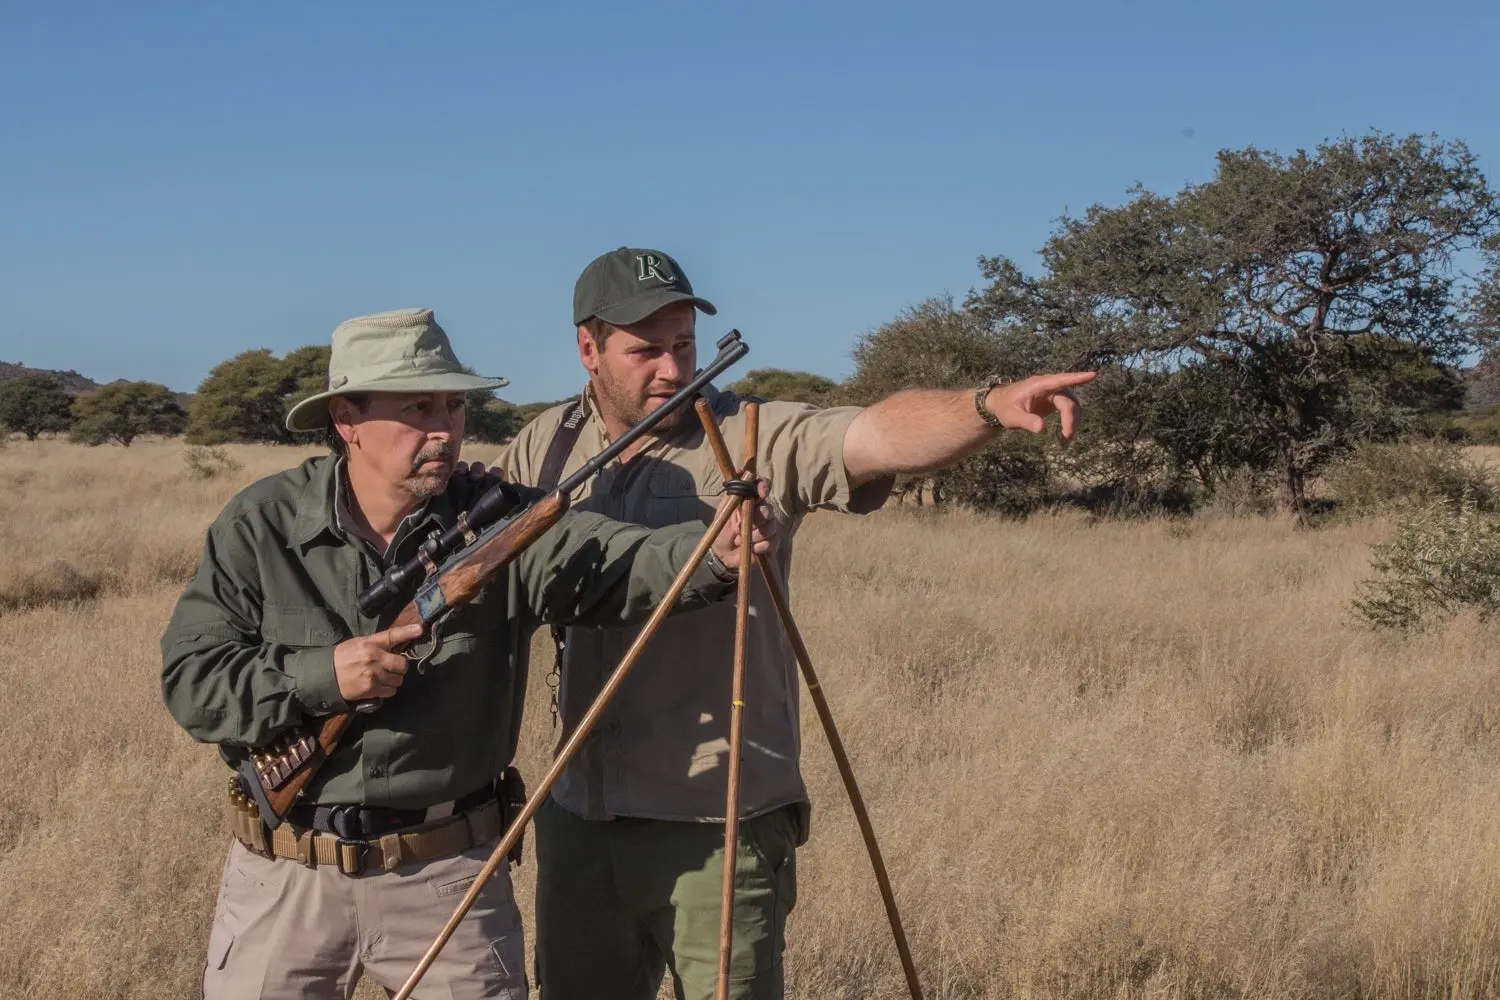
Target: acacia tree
{"points": [[247, 397], [789, 386], [1316, 295], [123, 411], [1483, 317], [34, 404]]}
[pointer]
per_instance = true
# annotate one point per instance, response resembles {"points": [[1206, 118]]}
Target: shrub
{"points": [[208, 462], [1443, 559], [1477, 426], [1010, 477], [1378, 478]]}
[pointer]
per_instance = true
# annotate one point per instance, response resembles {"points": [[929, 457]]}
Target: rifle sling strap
{"points": [[560, 447], [558, 450]]}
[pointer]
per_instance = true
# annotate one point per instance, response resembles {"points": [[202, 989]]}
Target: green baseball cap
{"points": [[400, 351], [626, 285]]}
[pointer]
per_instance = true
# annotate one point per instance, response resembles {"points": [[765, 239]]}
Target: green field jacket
{"points": [[248, 652]]}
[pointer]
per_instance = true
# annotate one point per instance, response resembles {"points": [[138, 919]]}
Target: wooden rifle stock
{"points": [[278, 776], [472, 569]]}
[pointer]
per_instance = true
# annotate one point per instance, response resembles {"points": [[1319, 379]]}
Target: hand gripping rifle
{"points": [[453, 566]]}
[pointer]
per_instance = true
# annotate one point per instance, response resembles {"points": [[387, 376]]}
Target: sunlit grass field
{"points": [[1106, 759]]}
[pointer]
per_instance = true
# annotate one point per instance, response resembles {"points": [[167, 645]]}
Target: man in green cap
{"points": [[630, 843], [394, 827]]}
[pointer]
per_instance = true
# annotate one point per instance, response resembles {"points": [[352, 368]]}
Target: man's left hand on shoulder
{"points": [[477, 474]]}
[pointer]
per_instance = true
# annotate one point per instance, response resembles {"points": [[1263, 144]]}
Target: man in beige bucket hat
{"points": [[394, 827]]}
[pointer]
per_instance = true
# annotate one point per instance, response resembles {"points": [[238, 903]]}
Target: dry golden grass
{"points": [[1104, 759]]}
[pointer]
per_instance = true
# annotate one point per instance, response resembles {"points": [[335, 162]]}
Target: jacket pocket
{"points": [[677, 496], [302, 625]]}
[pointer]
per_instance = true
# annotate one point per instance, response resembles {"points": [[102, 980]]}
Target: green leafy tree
{"points": [[124, 411], [930, 345], [305, 373], [247, 397], [487, 418], [1315, 297], [790, 386], [34, 404], [493, 422]]}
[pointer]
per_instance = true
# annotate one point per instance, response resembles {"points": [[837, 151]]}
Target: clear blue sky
{"points": [[182, 182]]}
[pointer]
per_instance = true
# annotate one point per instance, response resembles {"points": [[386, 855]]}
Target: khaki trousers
{"points": [[284, 930], [621, 903]]}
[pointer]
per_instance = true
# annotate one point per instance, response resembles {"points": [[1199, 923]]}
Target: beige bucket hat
{"points": [[400, 351]]}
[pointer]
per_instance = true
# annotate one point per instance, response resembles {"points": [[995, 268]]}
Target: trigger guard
{"points": [[421, 652]]}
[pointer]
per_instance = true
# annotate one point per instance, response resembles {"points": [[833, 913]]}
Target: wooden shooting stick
{"points": [[736, 697], [575, 742], [825, 715]]}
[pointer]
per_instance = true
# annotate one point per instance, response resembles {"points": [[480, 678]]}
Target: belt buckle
{"points": [[360, 850]]}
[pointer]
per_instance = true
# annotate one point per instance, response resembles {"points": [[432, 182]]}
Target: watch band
{"points": [[983, 393], [716, 565]]}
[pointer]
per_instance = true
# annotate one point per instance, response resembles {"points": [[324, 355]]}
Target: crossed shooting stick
{"points": [[739, 493]]}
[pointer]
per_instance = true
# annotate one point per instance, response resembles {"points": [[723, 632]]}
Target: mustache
{"points": [[440, 451]]}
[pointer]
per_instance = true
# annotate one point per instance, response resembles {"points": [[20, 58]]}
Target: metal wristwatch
{"points": [[983, 393], [724, 573]]}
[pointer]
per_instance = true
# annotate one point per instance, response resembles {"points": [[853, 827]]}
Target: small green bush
{"points": [[1443, 559]]}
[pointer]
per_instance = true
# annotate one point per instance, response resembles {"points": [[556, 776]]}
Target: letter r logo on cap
{"points": [[649, 265]]}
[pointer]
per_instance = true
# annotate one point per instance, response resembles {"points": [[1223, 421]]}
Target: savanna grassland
{"points": [[1104, 758]]}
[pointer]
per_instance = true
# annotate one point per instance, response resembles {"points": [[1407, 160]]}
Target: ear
{"points": [[342, 412], [588, 351]]}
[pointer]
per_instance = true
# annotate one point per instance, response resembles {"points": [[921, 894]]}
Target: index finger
{"points": [[1062, 380], [395, 636]]}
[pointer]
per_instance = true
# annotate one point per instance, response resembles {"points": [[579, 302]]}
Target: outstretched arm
{"points": [[922, 430]]}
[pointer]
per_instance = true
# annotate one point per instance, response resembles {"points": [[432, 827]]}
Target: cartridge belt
{"points": [[356, 856]]}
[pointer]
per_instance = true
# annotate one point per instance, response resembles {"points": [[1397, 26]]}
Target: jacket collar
{"points": [[324, 506]]}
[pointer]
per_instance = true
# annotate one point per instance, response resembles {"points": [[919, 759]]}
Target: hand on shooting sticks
{"points": [[765, 533]]}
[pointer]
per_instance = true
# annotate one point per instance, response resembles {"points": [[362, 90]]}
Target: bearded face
{"points": [[636, 369], [431, 469], [406, 440]]}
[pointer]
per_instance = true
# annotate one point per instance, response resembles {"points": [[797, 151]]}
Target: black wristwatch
{"points": [[983, 393]]}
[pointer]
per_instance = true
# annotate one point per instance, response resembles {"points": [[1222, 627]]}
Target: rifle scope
{"points": [[503, 499]]}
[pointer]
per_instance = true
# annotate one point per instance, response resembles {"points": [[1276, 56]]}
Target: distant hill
{"points": [[71, 381]]}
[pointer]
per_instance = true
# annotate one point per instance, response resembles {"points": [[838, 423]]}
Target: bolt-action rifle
{"points": [[452, 567]]}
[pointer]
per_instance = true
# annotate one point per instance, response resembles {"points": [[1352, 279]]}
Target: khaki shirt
{"points": [[249, 650], [661, 749]]}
